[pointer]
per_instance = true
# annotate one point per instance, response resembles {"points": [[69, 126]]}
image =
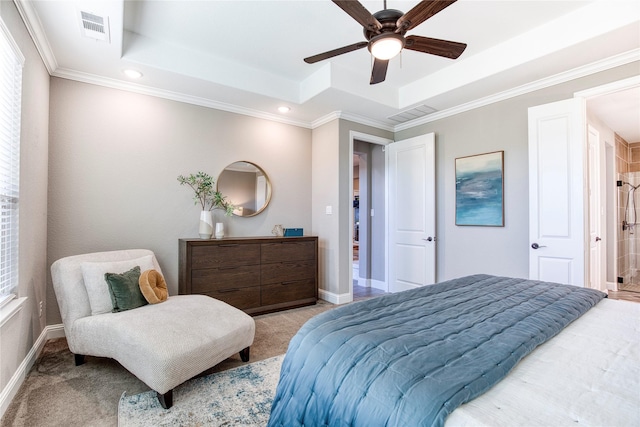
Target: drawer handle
{"points": [[229, 245], [227, 268], [228, 291], [290, 282]]}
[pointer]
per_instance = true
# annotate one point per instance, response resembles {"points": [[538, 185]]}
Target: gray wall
{"points": [[114, 159], [464, 250], [33, 267]]}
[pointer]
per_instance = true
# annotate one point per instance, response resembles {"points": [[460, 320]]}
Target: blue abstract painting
{"points": [[479, 189]]}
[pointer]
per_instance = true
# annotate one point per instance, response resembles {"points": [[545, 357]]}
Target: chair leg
{"points": [[244, 354], [166, 400], [79, 359]]}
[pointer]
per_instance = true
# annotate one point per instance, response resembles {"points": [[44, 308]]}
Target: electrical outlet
{"points": [[40, 308]]}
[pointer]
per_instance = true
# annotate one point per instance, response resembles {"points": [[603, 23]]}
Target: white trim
{"points": [[325, 119], [12, 42], [366, 121], [606, 89], [10, 309], [36, 31], [12, 387], [371, 139], [379, 284], [335, 298], [55, 331], [173, 96], [598, 66]]}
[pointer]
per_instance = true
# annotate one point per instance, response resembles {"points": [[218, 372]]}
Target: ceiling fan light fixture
{"points": [[386, 46]]}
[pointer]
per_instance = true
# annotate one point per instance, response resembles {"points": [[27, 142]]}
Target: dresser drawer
{"points": [[255, 274], [225, 255], [288, 291], [210, 279], [291, 251], [242, 298], [287, 271]]}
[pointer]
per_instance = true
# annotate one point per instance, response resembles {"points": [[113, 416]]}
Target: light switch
{"points": [[372, 213], [328, 210]]}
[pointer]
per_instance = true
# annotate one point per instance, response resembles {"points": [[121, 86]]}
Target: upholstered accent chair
{"points": [[163, 344]]}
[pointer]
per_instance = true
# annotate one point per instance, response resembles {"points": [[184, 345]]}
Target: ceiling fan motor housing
{"points": [[388, 19]]}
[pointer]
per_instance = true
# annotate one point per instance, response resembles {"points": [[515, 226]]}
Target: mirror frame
{"points": [[268, 184]]}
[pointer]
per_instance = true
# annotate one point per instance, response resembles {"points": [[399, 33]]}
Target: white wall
{"points": [[26, 328], [114, 159]]}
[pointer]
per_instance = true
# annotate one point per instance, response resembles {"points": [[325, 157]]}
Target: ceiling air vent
{"points": [[94, 26], [412, 114]]}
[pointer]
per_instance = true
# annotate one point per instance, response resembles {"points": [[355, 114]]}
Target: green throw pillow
{"points": [[125, 290]]}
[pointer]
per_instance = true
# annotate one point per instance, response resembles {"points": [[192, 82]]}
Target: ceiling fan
{"points": [[385, 33]]}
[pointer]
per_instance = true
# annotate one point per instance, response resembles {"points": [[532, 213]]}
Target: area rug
{"points": [[238, 397]]}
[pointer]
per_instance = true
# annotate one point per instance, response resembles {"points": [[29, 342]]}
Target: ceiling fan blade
{"points": [[445, 48], [420, 13], [335, 52], [379, 72], [358, 12]]}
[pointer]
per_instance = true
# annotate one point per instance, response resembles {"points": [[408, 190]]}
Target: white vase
{"points": [[205, 230], [219, 230]]}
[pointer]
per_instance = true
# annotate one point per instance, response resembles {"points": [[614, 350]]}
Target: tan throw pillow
{"points": [[153, 286]]}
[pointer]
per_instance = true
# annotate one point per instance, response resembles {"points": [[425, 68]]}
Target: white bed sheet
{"points": [[588, 375]]}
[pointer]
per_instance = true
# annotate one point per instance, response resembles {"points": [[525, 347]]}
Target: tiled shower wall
{"points": [[628, 170]]}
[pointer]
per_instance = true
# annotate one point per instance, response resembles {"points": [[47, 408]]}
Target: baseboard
{"points": [[379, 284], [55, 331], [335, 298], [12, 387]]}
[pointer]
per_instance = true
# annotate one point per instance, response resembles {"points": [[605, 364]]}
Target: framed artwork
{"points": [[479, 190]]}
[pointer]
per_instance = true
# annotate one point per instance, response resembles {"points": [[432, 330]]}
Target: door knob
{"points": [[598, 239], [430, 239], [537, 246]]}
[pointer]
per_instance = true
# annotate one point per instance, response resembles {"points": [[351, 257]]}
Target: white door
{"points": [[596, 279], [412, 214], [556, 192]]}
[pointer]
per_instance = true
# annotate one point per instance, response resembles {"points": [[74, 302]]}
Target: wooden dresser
{"points": [[255, 274]]}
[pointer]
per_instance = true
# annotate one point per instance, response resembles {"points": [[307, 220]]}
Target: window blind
{"points": [[11, 61]]}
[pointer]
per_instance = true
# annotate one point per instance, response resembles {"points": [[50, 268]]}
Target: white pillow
{"points": [[97, 287]]}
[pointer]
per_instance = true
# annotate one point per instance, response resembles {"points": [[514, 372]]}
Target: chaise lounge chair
{"points": [[163, 344]]}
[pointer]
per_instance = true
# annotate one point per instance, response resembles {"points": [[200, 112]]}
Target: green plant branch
{"points": [[205, 193]]}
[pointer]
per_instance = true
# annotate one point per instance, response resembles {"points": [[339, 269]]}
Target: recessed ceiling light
{"points": [[284, 109], [133, 74]]}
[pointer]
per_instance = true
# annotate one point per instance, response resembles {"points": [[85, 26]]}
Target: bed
{"points": [[478, 350]]}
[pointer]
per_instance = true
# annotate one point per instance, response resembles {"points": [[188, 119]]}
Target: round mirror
{"points": [[246, 186]]}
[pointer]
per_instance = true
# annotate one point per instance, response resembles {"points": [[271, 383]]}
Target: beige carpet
{"points": [[58, 393]]}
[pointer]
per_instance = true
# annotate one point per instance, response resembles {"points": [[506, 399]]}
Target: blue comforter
{"points": [[411, 358]]}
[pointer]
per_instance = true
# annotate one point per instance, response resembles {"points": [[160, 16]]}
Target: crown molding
{"points": [[36, 31], [366, 121], [609, 88], [173, 96], [352, 118], [595, 67]]}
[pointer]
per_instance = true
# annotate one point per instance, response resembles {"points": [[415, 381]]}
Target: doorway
{"points": [[367, 231], [614, 110], [566, 130], [368, 198]]}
